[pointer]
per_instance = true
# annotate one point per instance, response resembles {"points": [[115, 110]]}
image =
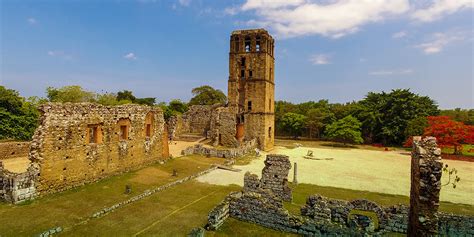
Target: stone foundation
{"points": [[246, 148], [15, 187]]}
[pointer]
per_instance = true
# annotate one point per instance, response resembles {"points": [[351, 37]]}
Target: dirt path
{"points": [[358, 169]]}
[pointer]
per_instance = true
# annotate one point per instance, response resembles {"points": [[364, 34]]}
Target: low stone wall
{"points": [[14, 149], [246, 148], [262, 204], [15, 187]]}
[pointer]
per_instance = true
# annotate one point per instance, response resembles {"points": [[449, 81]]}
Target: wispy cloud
{"points": [[184, 3], [335, 18], [320, 59], [31, 21], [59, 54], [130, 56], [440, 8], [391, 72], [438, 41], [399, 35]]}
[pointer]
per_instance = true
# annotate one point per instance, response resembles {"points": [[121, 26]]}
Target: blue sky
{"points": [[327, 49]]}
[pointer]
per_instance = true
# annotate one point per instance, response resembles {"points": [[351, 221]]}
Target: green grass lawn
{"points": [[465, 150]]}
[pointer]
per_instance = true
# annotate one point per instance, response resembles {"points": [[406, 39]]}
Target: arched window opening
{"points": [[247, 45]]}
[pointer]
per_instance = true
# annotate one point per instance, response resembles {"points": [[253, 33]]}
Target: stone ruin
{"points": [[262, 204], [84, 142], [17, 187], [426, 171], [275, 176]]}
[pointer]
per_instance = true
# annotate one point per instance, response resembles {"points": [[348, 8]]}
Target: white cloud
{"points": [[438, 41], [399, 35], [32, 21], [59, 54], [184, 3], [320, 59], [130, 56], [440, 8], [391, 72], [334, 18]]}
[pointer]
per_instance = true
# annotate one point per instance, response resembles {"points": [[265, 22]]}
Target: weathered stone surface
{"points": [[426, 171], [245, 148], [275, 175], [251, 84], [84, 142], [14, 149], [16, 187]]}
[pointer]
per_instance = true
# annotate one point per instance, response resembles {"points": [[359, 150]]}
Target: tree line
{"points": [[385, 118]]}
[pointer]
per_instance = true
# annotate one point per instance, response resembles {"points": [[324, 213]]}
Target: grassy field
{"points": [[172, 212]]}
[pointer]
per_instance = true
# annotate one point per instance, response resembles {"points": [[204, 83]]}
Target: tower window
{"points": [[242, 62], [257, 45], [250, 73], [271, 73], [249, 105], [269, 132], [270, 104], [247, 45], [242, 74]]}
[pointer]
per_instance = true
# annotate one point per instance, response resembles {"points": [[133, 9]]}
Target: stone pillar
{"points": [[295, 174], [426, 170], [275, 175]]}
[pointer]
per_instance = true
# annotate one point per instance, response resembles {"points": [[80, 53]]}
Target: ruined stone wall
{"points": [[16, 187], [197, 119], [84, 142], [223, 128], [245, 148], [14, 149], [426, 171], [275, 176], [322, 216]]}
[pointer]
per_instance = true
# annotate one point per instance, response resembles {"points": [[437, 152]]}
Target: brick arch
{"points": [[366, 205]]}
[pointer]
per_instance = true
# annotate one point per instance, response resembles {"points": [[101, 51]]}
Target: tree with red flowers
{"points": [[449, 133]]}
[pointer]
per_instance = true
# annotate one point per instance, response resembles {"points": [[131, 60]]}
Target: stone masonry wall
{"points": [[15, 187], [14, 149], [322, 216], [84, 142], [426, 171], [275, 176], [245, 148]]}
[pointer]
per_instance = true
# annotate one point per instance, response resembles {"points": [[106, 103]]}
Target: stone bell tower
{"points": [[251, 89]]}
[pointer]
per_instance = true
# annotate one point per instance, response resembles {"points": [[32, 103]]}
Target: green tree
{"points": [[107, 99], [385, 116], [293, 123], [178, 106], [346, 130], [416, 127], [206, 95], [145, 101], [18, 118], [126, 95], [74, 94], [315, 121]]}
